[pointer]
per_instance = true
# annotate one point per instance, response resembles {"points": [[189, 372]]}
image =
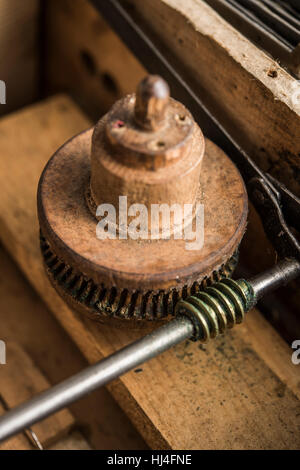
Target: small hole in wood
{"points": [[272, 73], [109, 82], [160, 144], [88, 62], [180, 118]]}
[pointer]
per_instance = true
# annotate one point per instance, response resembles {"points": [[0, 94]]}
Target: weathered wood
{"points": [[252, 96], [85, 57], [21, 380], [232, 393]]}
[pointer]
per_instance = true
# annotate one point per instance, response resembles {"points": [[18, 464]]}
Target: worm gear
{"points": [[99, 300], [147, 150]]}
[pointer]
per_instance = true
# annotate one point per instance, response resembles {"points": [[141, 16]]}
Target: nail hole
{"points": [[88, 62], [180, 117], [272, 73], [160, 144], [109, 82]]}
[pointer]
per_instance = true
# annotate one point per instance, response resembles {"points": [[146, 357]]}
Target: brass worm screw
{"points": [[217, 308]]}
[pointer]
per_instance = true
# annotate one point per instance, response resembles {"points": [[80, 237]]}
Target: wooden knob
{"points": [[152, 98]]}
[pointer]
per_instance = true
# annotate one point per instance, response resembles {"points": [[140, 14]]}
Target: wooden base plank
{"points": [[21, 380], [19, 52], [225, 395]]}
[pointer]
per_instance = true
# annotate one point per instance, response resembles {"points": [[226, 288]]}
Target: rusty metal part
{"points": [[273, 208], [99, 300], [127, 278]]}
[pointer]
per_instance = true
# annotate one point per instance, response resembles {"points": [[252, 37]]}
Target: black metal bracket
{"points": [[270, 210]]}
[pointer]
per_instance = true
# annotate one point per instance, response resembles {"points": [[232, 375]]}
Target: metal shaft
{"points": [[279, 275], [95, 376]]}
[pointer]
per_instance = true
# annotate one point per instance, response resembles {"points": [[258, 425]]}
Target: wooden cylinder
{"points": [[149, 149]]}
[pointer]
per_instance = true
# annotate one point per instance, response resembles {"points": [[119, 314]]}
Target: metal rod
{"points": [[95, 376], [279, 275]]}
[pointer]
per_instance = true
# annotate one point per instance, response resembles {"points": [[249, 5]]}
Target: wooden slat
{"points": [[231, 75], [227, 394], [21, 380], [72, 442]]}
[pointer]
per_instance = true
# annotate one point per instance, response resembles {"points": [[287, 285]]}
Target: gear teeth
{"points": [[158, 305], [122, 304], [132, 304], [113, 301], [84, 295], [146, 304], [102, 302], [138, 306], [70, 280], [95, 296], [63, 274], [160, 310], [77, 287], [51, 261]]}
